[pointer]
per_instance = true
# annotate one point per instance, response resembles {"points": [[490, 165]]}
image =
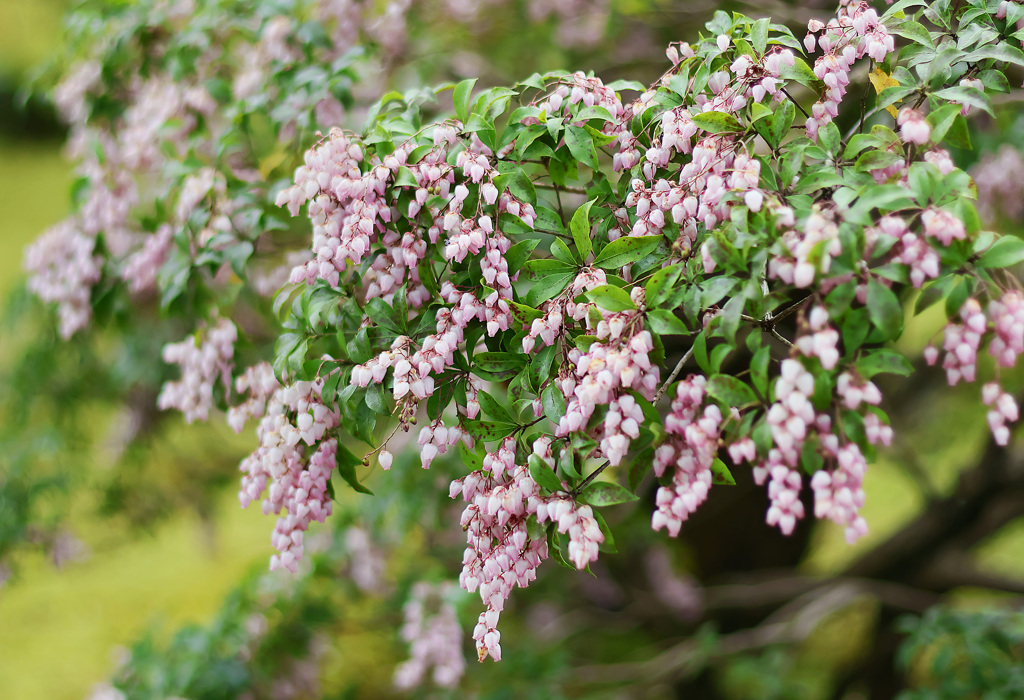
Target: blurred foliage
{"points": [[956, 654], [56, 446]]}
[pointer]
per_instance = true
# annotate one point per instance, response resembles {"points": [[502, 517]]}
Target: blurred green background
{"points": [[62, 627]]}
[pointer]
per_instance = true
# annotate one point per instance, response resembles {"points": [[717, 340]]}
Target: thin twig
{"points": [[778, 336], [556, 188], [675, 373], [590, 477], [798, 105], [790, 309]]}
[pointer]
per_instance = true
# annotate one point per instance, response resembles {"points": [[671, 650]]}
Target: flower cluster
{"points": [[822, 340], [798, 265], [691, 447], [855, 32], [555, 311], [962, 340], [203, 357], [63, 270], [913, 126], [292, 463], [585, 536], [961, 344], [432, 630], [616, 363], [1004, 408], [500, 553], [914, 251]]}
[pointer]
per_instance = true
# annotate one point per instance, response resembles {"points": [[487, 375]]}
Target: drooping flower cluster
{"points": [[1004, 408], [204, 357], [63, 269], [293, 464], [913, 126], [500, 553], [821, 341], [961, 342], [260, 384], [819, 240], [690, 448], [432, 630], [548, 327], [855, 32], [913, 250], [1007, 317], [616, 363], [585, 536]]}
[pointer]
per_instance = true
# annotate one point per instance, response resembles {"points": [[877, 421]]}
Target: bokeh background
{"points": [[146, 548], [65, 625]]}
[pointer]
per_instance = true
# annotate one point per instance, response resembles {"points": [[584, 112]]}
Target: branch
{"points": [[672, 377], [557, 189], [909, 551], [791, 624]]}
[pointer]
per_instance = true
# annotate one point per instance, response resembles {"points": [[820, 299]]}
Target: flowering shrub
{"points": [[564, 284]]}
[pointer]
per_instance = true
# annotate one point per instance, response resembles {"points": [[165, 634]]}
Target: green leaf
{"points": [[968, 95], [544, 475], [876, 160], [720, 474], [759, 35], [377, 400], [759, 370], [639, 467], [730, 390], [1001, 53], [780, 124], [901, 5], [561, 252], [547, 265], [489, 431], [553, 403], [664, 322], [518, 254], [913, 31], [891, 95], [606, 493], [493, 409], [611, 298], [609, 541], [626, 251], [548, 287], [661, 281], [460, 98], [714, 290], [1007, 251], [580, 228], [941, 120], [347, 463], [518, 183], [498, 365], [618, 85], [581, 145], [700, 353], [717, 122], [883, 361], [819, 180], [884, 309], [471, 459]]}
